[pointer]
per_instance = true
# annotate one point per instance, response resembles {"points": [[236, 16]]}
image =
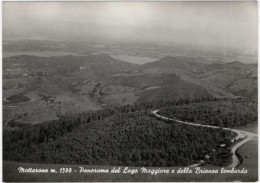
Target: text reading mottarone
{"points": [[143, 170]]}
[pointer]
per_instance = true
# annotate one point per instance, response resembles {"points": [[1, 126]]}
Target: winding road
{"points": [[242, 136]]}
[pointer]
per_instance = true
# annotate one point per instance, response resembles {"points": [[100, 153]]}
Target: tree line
{"points": [[228, 113], [125, 135], [130, 139]]}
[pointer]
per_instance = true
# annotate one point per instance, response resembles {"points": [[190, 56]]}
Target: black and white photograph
{"points": [[110, 91]]}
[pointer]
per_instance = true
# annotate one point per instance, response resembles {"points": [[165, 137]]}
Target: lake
{"points": [[134, 59]]}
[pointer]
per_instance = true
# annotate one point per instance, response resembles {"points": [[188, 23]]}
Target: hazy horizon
{"points": [[231, 26]]}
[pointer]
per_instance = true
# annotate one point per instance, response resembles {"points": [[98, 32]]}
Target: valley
{"points": [[64, 84], [129, 91], [91, 108]]}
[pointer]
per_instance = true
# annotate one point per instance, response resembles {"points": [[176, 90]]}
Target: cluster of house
{"points": [[36, 74]]}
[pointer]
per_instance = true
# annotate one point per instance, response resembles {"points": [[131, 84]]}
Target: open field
{"points": [[252, 127], [249, 153]]}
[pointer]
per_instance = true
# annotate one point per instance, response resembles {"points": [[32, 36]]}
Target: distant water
{"points": [[40, 53], [134, 59]]}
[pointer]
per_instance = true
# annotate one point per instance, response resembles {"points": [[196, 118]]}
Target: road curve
{"points": [[243, 136]]}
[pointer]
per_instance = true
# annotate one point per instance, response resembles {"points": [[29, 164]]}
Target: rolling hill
{"points": [[220, 79], [237, 78], [64, 84], [62, 65]]}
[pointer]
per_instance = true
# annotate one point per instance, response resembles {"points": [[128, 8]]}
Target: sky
{"points": [[229, 25]]}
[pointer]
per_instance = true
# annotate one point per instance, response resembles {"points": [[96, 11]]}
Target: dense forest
{"points": [[229, 113], [126, 135]]}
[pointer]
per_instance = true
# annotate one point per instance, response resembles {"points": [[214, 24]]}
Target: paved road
{"points": [[243, 135]]}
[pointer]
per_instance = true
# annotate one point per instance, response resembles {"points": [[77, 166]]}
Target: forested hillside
{"points": [[128, 135], [228, 113]]}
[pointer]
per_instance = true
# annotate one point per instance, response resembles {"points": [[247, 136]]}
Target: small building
{"points": [[242, 136], [222, 145], [207, 156], [82, 68], [237, 138]]}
